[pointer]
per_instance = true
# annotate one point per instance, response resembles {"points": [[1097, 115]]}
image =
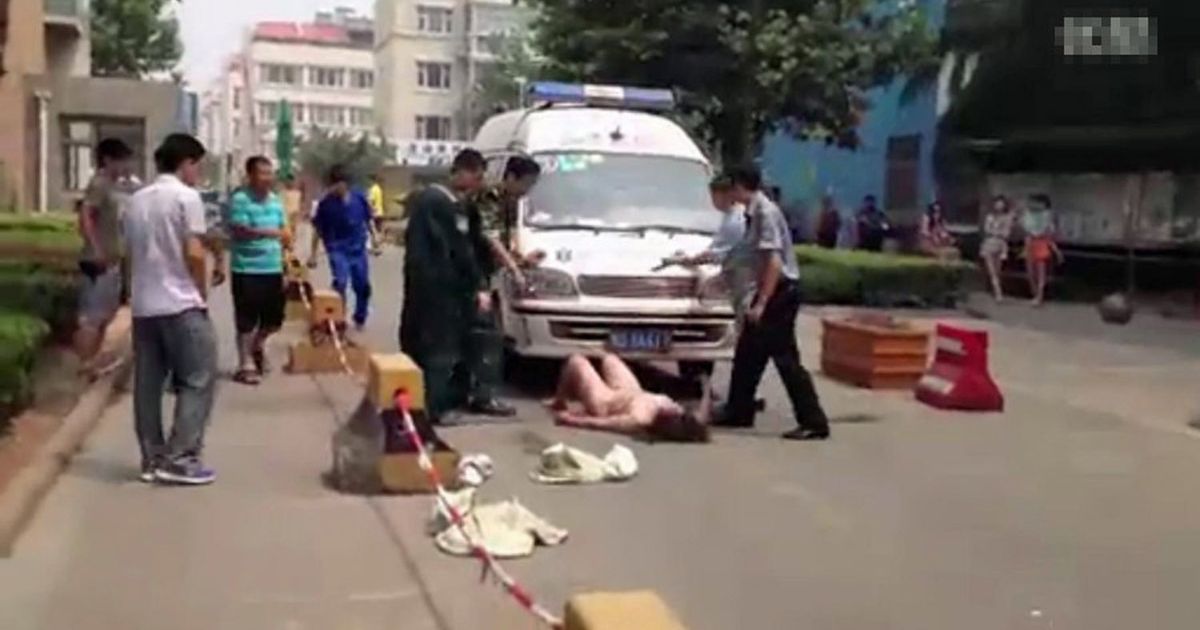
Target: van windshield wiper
{"points": [[576, 225], [672, 229]]}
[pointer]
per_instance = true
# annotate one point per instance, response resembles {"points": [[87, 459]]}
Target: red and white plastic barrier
{"points": [[490, 565], [959, 378]]}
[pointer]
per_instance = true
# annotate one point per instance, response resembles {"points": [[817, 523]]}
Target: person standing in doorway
{"points": [[168, 244], [769, 330], [448, 262], [872, 225], [257, 224], [829, 223], [1040, 248], [343, 221], [100, 260]]}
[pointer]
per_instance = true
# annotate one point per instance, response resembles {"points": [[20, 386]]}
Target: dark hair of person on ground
{"points": [[521, 167], [746, 177], [255, 161], [934, 210], [176, 149], [690, 426], [337, 175], [720, 183], [468, 160], [112, 150]]}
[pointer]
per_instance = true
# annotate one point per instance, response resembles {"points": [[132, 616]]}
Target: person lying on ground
{"points": [[613, 400]]}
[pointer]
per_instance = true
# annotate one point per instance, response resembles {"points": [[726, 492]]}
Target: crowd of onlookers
{"points": [[1033, 225]]}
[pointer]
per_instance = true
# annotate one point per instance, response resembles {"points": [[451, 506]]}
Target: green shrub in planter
{"points": [[47, 294], [21, 336], [873, 279]]}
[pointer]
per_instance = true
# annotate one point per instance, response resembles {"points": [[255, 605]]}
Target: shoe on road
{"points": [[493, 408], [183, 475], [806, 435]]}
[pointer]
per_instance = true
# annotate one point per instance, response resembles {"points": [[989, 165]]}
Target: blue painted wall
{"points": [[804, 171]]}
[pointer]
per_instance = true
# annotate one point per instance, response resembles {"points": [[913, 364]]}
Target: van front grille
{"points": [[639, 287]]}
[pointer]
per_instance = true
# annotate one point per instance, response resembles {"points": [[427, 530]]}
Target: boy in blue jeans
{"points": [[343, 222]]}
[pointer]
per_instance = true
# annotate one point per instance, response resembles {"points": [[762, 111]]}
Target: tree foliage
{"points": [[499, 85], [743, 68], [360, 155], [133, 38]]}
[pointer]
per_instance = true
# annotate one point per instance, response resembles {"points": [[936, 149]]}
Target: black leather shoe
{"points": [[807, 435], [493, 408]]}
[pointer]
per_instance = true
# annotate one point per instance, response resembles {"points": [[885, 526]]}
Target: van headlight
{"points": [[545, 284], [715, 289]]}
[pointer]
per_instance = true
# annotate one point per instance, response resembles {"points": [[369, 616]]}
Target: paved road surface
{"points": [[1075, 509]]}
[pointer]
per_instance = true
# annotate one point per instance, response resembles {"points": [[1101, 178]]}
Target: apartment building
{"points": [[53, 112], [324, 70], [429, 55]]}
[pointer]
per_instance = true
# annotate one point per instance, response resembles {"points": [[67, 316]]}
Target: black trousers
{"points": [[774, 338]]}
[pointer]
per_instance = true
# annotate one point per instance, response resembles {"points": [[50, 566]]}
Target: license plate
{"points": [[640, 340]]}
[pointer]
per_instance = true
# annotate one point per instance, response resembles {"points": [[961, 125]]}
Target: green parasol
{"points": [[285, 141]]}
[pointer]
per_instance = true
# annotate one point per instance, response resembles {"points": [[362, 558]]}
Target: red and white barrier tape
{"points": [[490, 565]]}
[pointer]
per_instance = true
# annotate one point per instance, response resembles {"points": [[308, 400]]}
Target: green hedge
{"points": [[21, 336], [44, 292], [834, 276]]}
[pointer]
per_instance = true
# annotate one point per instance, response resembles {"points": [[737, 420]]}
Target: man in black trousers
{"points": [[769, 327]]}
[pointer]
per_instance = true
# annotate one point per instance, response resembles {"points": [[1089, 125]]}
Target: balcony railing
{"points": [[64, 8]]}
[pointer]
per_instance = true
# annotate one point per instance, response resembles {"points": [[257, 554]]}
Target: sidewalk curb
{"points": [[25, 492]]}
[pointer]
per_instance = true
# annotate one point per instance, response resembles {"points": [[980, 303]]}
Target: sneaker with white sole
{"points": [[185, 475]]}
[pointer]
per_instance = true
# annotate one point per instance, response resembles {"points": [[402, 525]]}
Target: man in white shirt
{"points": [[166, 236], [731, 232]]}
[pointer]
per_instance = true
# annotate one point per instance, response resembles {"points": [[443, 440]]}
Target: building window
{"points": [[279, 74], [237, 98], [328, 115], [298, 111], [362, 117], [435, 76], [237, 130], [80, 136], [435, 19], [362, 79], [326, 77], [902, 179], [433, 127], [268, 112]]}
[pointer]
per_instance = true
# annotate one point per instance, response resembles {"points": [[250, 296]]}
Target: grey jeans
{"points": [[182, 347]]}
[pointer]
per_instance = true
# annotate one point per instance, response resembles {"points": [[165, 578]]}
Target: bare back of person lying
{"points": [[613, 400]]}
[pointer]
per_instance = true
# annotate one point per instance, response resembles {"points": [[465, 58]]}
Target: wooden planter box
{"points": [[876, 354]]}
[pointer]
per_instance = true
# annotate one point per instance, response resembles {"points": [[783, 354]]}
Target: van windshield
{"points": [[621, 192]]}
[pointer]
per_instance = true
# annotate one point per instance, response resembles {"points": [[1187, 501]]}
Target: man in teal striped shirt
{"points": [[257, 225]]}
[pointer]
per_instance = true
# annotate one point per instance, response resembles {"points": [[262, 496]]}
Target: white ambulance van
{"points": [[621, 189]]}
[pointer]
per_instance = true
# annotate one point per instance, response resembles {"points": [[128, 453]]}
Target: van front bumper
{"points": [[548, 333]]}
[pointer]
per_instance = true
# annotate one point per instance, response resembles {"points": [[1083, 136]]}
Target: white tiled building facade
{"points": [[429, 54], [325, 70]]}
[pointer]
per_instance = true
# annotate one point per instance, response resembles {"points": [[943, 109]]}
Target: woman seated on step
{"points": [[613, 400]]}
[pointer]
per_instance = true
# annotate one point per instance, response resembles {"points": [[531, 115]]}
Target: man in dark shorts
{"points": [[258, 229], [100, 260]]}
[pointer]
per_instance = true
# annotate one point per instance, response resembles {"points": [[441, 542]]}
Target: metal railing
{"points": [[64, 8]]}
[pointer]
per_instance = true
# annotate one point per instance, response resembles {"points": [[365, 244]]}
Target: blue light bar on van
{"points": [[602, 95]]}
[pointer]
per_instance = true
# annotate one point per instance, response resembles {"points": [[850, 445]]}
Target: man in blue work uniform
{"points": [[343, 221]]}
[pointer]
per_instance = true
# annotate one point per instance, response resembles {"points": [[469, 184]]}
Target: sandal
{"points": [[246, 377]]}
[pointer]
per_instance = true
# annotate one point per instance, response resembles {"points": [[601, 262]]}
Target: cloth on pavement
{"points": [[506, 529], [562, 464]]}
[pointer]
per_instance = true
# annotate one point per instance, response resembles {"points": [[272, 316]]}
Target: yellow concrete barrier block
{"points": [[306, 358], [327, 307], [401, 474], [642, 610], [391, 372]]}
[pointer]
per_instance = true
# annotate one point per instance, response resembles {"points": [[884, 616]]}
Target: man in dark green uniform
{"points": [[448, 262]]}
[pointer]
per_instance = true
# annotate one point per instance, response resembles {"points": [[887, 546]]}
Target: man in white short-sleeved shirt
{"points": [[166, 237]]}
